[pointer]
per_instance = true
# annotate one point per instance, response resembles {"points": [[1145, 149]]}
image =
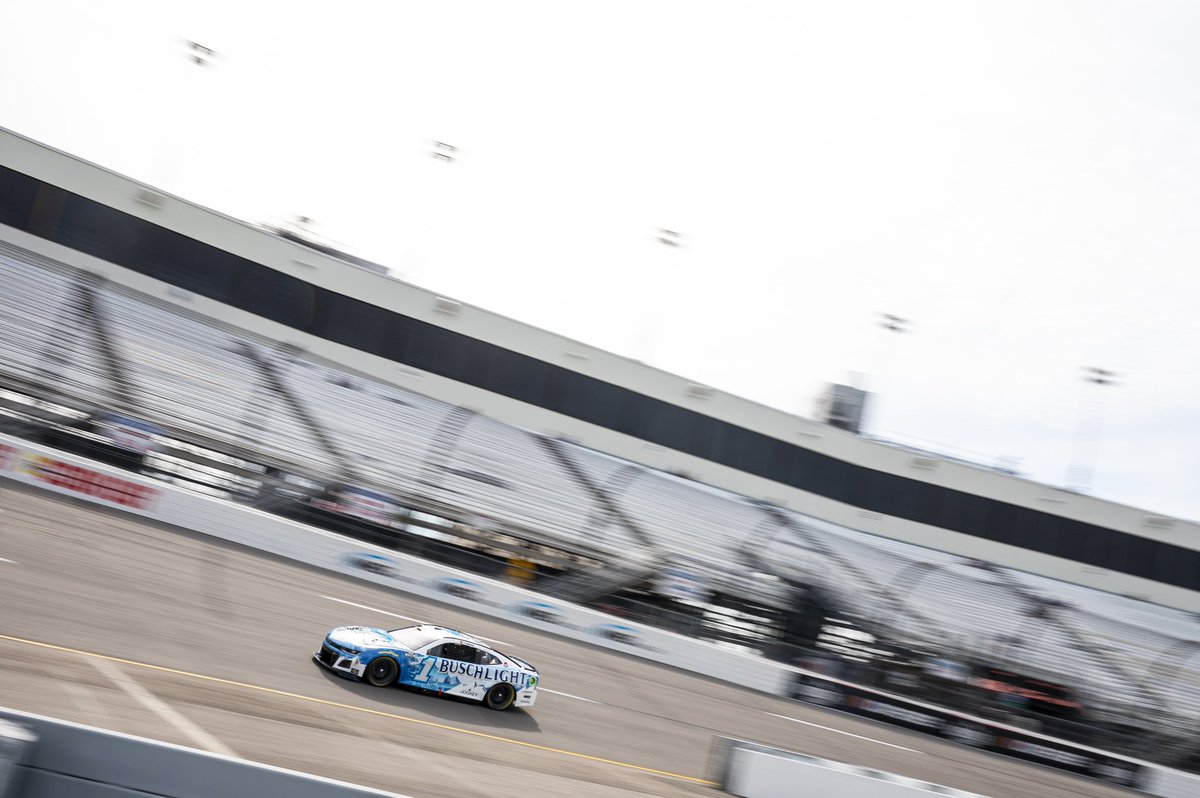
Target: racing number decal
{"points": [[426, 668]]}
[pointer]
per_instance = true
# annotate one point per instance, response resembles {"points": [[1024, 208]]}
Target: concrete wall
{"points": [[68, 759], [752, 770], [754, 773]]}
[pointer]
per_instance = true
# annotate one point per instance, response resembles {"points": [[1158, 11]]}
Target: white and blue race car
{"points": [[433, 659]]}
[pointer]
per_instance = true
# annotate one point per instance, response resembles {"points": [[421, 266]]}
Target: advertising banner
{"points": [[8, 455], [104, 488]]}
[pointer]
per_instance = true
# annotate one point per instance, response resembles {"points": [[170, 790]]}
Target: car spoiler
{"points": [[522, 663]]}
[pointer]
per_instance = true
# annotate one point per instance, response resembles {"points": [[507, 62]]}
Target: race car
{"points": [[432, 659]]}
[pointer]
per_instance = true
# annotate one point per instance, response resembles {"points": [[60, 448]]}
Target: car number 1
{"points": [[426, 668]]}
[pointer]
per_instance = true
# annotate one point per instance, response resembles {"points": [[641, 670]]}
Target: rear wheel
{"points": [[381, 672], [500, 697]]}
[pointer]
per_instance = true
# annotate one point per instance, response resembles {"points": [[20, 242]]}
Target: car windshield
{"points": [[414, 637]]}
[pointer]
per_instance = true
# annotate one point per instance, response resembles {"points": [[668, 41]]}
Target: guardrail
{"points": [[60, 758], [69, 475]]}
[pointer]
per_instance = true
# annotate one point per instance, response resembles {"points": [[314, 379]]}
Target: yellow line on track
{"points": [[380, 713]]}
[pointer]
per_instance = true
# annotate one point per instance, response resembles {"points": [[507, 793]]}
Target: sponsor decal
{"points": [[968, 733], [1116, 771], [1035, 750], [539, 611], [682, 584], [361, 504], [7, 455], [87, 482], [902, 714], [463, 588], [821, 694], [619, 633], [373, 563], [129, 433], [486, 673]]}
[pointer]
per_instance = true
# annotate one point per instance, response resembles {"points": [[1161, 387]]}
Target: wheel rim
{"points": [[380, 670], [503, 696]]}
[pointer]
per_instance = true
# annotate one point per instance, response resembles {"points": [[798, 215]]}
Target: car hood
{"points": [[362, 637]]}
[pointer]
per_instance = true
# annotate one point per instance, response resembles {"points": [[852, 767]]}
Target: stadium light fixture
{"points": [[1085, 449], [199, 54], [444, 152]]}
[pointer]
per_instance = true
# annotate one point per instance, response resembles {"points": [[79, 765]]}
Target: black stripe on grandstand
{"points": [[91, 227]]}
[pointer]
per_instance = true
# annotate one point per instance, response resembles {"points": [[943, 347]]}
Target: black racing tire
{"points": [[381, 672], [500, 696]]}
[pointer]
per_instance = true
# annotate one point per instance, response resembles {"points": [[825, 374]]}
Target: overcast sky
{"points": [[1021, 180]]}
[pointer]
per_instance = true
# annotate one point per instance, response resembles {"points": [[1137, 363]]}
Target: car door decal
{"points": [[427, 666]]}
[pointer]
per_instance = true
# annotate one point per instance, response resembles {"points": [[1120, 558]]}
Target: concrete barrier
{"points": [[751, 770], [16, 747], [85, 762], [1169, 783]]}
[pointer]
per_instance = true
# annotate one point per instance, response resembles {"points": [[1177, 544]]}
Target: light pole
{"points": [[442, 151], [889, 325], [655, 287], [429, 234], [894, 323], [1085, 449], [668, 238], [190, 101], [199, 54]]}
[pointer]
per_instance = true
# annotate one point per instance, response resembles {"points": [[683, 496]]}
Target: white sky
{"points": [[1020, 179]]}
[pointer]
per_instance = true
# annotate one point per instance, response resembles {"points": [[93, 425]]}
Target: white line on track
{"points": [[161, 708], [405, 617], [848, 734], [567, 695], [5, 559]]}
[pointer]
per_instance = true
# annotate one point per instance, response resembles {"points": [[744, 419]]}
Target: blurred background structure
{"points": [[263, 367]]}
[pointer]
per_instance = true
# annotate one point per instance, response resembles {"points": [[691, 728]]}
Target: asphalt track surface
{"points": [[113, 622]]}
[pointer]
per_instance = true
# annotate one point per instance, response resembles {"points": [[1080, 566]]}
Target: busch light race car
{"points": [[432, 659]]}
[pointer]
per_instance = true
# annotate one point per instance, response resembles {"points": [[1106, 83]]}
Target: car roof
{"points": [[454, 634], [450, 635]]}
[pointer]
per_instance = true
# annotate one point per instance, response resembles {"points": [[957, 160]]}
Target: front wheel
{"points": [[381, 672], [500, 697]]}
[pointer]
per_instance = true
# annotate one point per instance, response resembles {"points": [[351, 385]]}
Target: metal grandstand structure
{"points": [[90, 346]]}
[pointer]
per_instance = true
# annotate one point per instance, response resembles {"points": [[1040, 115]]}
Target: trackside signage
{"points": [[104, 488], [7, 455]]}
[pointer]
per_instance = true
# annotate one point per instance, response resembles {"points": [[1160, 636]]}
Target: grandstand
{"points": [[242, 410]]}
